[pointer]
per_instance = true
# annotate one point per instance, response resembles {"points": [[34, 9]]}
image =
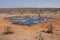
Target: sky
{"points": [[29, 3]]}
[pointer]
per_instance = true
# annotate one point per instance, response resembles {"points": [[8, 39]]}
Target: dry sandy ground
{"points": [[30, 33]]}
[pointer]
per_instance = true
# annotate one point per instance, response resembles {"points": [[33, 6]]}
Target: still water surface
{"points": [[28, 21]]}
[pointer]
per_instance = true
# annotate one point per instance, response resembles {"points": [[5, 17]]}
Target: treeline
{"points": [[28, 10]]}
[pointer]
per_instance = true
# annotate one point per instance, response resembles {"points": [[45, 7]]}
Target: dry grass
{"points": [[29, 33]]}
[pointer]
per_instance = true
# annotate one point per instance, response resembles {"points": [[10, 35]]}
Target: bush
{"points": [[8, 30], [50, 29], [39, 36]]}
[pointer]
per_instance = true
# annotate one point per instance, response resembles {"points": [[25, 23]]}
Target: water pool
{"points": [[28, 21]]}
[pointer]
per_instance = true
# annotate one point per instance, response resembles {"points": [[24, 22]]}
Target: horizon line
{"points": [[30, 7]]}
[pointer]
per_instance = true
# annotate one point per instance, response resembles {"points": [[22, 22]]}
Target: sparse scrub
{"points": [[8, 30], [44, 12], [50, 29], [39, 36]]}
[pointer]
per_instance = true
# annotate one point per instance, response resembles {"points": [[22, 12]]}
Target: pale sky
{"points": [[29, 3]]}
